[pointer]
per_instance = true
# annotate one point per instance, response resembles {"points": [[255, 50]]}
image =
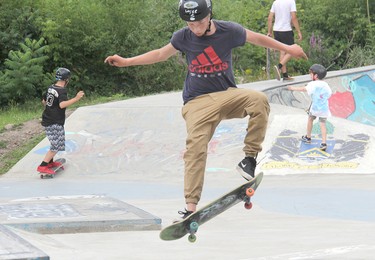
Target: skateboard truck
{"points": [[247, 199], [193, 228]]}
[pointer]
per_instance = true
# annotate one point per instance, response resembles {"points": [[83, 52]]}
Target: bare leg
{"points": [[323, 129], [310, 122], [191, 207], [284, 58], [49, 156]]}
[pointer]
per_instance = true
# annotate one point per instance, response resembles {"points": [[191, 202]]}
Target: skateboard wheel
{"points": [[192, 238], [250, 192], [248, 205], [193, 226], [41, 176]]}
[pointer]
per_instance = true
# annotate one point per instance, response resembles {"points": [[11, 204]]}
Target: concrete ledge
{"points": [[75, 214], [14, 247]]}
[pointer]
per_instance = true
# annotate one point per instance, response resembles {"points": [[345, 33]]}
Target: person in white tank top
{"points": [[285, 13]]}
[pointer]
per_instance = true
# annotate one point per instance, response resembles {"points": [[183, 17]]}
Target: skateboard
{"points": [[190, 224], [55, 169]]}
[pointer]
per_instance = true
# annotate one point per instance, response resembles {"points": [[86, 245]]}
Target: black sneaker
{"points": [[306, 139], [184, 214], [247, 168], [323, 146], [287, 77]]}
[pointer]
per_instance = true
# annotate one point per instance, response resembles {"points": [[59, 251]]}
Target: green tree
{"points": [[17, 19], [24, 77], [334, 28]]}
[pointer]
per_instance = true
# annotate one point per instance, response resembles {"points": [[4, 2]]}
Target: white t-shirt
{"points": [[282, 10], [319, 91]]}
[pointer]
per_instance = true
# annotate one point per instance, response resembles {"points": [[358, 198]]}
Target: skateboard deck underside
{"points": [[218, 206]]}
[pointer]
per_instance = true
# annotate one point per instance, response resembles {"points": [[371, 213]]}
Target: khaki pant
{"points": [[203, 114]]}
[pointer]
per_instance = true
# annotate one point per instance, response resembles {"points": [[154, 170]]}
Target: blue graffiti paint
{"points": [[363, 89], [70, 147], [312, 153]]}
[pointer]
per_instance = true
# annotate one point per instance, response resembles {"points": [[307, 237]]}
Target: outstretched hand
{"points": [[115, 60], [296, 51], [80, 94]]}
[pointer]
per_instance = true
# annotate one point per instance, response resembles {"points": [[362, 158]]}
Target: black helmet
{"points": [[62, 74], [194, 10], [319, 70]]}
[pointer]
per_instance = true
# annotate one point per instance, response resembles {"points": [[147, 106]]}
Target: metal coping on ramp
{"points": [[75, 214], [14, 247]]}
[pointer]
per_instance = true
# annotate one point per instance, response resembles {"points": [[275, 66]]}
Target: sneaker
{"points": [[287, 77], [54, 164], [323, 146], [306, 139], [183, 214], [277, 72], [45, 169], [247, 168]]}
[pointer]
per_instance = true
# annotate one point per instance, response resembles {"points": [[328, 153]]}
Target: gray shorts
{"points": [[321, 119], [56, 136]]}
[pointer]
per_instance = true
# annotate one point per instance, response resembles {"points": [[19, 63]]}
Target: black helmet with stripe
{"points": [[63, 74], [194, 10]]}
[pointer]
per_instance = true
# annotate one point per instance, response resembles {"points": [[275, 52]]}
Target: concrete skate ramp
{"points": [[144, 138]]}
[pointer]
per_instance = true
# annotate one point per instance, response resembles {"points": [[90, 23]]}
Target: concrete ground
{"points": [[124, 168]]}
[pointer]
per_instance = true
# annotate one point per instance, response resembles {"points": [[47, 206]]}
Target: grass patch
{"points": [[3, 144], [17, 115], [10, 159]]}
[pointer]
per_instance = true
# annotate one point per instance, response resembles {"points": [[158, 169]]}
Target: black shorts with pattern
{"points": [[56, 135]]}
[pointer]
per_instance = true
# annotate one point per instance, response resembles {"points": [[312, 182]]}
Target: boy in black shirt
{"points": [[55, 101]]}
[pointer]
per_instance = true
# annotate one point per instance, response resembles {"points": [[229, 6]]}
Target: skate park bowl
{"points": [[132, 151]]}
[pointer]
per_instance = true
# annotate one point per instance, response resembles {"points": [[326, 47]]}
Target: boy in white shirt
{"points": [[319, 91]]}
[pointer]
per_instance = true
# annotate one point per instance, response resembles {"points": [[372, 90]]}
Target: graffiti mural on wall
{"points": [[363, 91], [353, 97]]}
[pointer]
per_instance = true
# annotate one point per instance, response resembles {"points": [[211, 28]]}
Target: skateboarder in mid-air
{"points": [[210, 93], [56, 101]]}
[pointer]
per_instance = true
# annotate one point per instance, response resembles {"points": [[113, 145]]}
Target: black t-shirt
{"points": [[209, 58], [52, 113]]}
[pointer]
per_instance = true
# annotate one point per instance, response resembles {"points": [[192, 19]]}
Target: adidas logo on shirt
{"points": [[208, 62]]}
